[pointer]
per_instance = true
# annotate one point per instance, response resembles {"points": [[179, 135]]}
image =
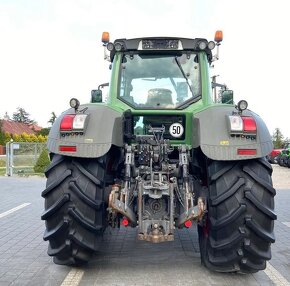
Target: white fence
{"points": [[21, 157]]}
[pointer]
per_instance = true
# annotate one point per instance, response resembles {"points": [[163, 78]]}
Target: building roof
{"points": [[14, 127]]}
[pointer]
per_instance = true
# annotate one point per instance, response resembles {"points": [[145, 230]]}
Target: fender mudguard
{"points": [[103, 129], [211, 134]]}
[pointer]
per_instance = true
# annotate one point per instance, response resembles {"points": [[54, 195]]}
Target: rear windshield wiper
{"points": [[184, 75]]}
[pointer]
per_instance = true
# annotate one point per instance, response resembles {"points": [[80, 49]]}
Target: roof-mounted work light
{"points": [[110, 46], [211, 45], [118, 47], [202, 45]]}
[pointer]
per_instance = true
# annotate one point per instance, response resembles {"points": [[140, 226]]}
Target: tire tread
{"points": [[239, 230]]}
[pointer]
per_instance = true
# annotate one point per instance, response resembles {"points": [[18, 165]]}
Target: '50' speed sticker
{"points": [[176, 130]]}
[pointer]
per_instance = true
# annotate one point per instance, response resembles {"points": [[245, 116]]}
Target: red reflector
{"points": [[125, 222], [247, 152], [68, 148], [188, 224], [249, 124], [67, 122]]}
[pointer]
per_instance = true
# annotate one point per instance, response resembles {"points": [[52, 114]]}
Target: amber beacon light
{"points": [[105, 37], [218, 36]]}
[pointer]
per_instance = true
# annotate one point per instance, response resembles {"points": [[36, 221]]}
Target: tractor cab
{"points": [[159, 73], [159, 81]]}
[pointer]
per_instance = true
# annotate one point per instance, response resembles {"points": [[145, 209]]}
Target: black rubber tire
{"points": [[271, 159], [74, 208], [288, 162], [238, 231], [280, 161], [284, 160]]}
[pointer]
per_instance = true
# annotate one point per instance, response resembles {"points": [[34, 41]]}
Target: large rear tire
{"points": [[288, 162], [238, 231], [74, 208]]}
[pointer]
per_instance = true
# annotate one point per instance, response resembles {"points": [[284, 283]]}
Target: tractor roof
{"points": [[161, 45]]}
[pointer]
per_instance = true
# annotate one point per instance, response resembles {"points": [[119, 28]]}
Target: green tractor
{"points": [[162, 152], [283, 157]]}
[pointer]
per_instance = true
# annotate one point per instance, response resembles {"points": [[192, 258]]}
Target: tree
{"points": [[42, 162], [16, 138], [287, 142], [25, 137], [41, 138], [52, 119], [43, 132], [277, 138], [22, 116], [7, 137]]}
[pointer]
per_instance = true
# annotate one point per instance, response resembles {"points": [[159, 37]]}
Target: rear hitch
{"points": [[117, 204], [194, 213]]}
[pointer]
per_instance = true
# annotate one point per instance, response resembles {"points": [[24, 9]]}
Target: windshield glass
{"points": [[159, 81]]}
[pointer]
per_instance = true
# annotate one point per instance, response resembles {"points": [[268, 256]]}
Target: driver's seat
{"points": [[159, 97]]}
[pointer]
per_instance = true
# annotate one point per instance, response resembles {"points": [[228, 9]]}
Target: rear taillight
{"points": [[73, 123], [249, 124], [242, 125], [66, 123]]}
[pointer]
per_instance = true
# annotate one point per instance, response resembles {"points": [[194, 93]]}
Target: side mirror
{"points": [[227, 97], [96, 96]]}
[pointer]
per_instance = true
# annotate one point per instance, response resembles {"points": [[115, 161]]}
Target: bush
{"points": [[42, 162], [2, 163]]}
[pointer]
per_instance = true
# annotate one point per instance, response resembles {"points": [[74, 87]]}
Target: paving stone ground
{"points": [[122, 260]]}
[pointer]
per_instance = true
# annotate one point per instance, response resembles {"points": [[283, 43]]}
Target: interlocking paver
{"points": [[123, 260]]}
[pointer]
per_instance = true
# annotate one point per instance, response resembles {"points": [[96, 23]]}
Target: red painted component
{"points": [[188, 224], [247, 152], [275, 152], [67, 148], [125, 222], [249, 124], [66, 123]]}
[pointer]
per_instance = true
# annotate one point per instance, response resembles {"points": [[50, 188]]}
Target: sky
{"points": [[51, 50]]}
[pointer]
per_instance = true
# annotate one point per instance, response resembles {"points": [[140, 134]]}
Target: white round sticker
{"points": [[176, 130]]}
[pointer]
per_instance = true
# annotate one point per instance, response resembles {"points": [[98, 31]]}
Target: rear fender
{"points": [[103, 129], [211, 134]]}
